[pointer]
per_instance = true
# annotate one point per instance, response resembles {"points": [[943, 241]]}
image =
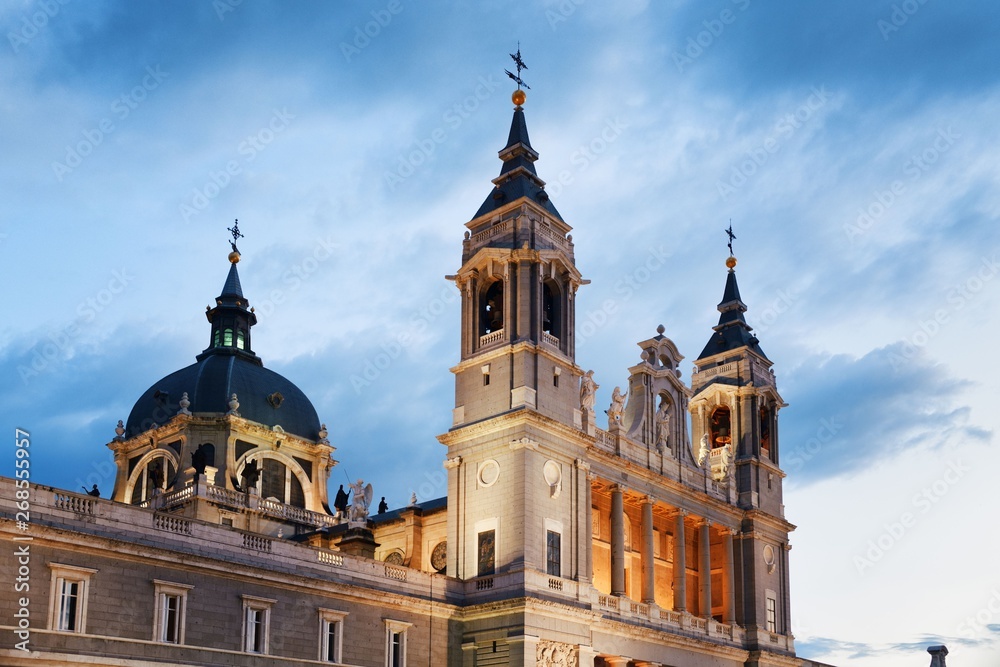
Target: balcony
{"points": [[490, 338]]}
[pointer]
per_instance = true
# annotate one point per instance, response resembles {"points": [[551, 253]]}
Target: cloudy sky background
{"points": [[852, 144]]}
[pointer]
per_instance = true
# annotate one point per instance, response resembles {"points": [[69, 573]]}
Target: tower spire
{"points": [[232, 317], [732, 331]]}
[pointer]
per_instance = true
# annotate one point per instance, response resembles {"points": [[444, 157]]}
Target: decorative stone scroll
{"points": [[556, 654]]}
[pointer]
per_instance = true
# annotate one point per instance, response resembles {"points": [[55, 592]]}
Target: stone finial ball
{"points": [[730, 262], [660, 329], [518, 97], [234, 257]]}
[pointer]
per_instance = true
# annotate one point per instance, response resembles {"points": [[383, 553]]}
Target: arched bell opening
{"points": [[552, 309], [491, 308], [719, 424]]}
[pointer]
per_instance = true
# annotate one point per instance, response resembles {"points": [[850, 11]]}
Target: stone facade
{"points": [[560, 542]]}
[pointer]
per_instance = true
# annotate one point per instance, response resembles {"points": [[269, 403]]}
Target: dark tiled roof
{"points": [[518, 177], [732, 331], [209, 384]]}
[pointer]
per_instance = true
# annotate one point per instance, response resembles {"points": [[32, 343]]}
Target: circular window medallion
{"points": [[439, 557], [552, 473], [394, 558], [768, 554], [489, 473]]}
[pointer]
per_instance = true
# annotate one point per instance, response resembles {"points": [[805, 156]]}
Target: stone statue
{"points": [[704, 450], [250, 475], [617, 407], [199, 459], [663, 427], [726, 467], [383, 506], [588, 391], [340, 501], [360, 501], [94, 491], [155, 472]]}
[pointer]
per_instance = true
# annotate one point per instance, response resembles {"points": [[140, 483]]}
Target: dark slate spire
{"points": [[732, 331], [232, 288], [518, 177], [231, 318]]}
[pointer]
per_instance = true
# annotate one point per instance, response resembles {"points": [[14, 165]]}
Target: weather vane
{"points": [[732, 237], [516, 57], [237, 234]]}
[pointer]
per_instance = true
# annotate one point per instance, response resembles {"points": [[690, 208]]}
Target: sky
{"points": [[851, 144]]}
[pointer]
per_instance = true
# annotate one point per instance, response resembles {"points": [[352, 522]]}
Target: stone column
{"points": [[587, 655], [705, 568], [588, 567], [617, 541], [680, 564], [456, 546], [786, 604], [729, 575], [581, 558], [648, 566]]}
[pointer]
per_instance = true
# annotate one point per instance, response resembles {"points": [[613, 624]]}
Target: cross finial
{"points": [[237, 234], [516, 57], [732, 237]]}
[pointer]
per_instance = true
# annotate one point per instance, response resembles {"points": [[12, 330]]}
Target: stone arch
{"points": [[141, 475], [291, 464]]}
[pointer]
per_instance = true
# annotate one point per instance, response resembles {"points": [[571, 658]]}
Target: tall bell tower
{"points": [[518, 503], [518, 282]]}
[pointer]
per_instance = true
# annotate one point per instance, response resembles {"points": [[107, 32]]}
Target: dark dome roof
{"points": [[209, 384]]}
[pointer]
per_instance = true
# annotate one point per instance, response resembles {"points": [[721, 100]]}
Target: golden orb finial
{"points": [[730, 262], [518, 97], [234, 256]]}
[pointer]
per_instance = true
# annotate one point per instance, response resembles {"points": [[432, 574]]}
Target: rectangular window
{"points": [[69, 604], [772, 614], [395, 643], [487, 553], [68, 597], [256, 620], [171, 619], [255, 630], [170, 611], [553, 553], [331, 634]]}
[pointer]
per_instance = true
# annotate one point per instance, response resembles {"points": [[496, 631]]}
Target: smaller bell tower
{"points": [[735, 406]]}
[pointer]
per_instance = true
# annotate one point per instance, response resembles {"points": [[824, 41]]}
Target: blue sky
{"points": [[852, 144]]}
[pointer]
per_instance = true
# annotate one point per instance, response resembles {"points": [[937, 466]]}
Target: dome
{"points": [[265, 397]]}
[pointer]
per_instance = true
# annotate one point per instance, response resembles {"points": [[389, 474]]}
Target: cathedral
{"points": [[652, 533]]}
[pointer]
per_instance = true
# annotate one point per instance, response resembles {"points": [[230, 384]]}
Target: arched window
{"points": [[227, 337], [551, 311], [277, 481], [240, 339], [720, 424], [765, 432], [215, 339], [491, 309], [157, 473]]}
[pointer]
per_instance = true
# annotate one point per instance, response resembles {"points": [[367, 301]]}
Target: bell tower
{"points": [[517, 470], [734, 405], [518, 281]]}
